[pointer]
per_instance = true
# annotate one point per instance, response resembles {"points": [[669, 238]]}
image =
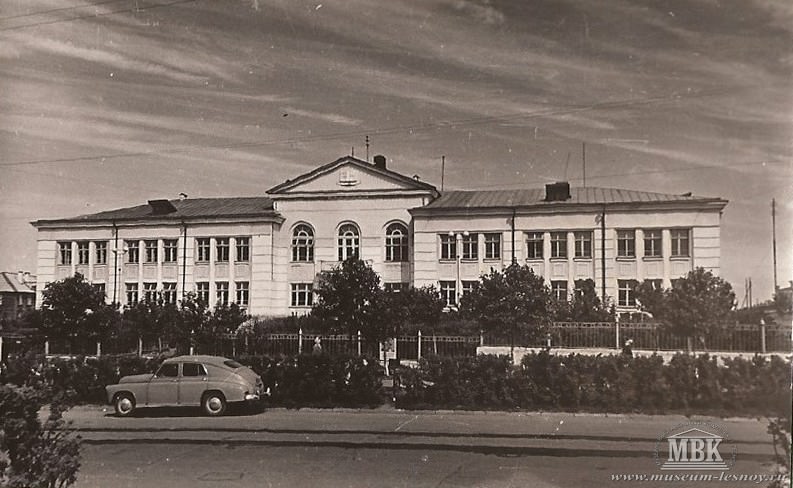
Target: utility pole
{"points": [[443, 170], [583, 158], [773, 239], [367, 149]]}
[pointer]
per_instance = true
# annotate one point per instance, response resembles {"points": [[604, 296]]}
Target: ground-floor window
{"points": [[626, 293], [302, 295], [449, 293]]}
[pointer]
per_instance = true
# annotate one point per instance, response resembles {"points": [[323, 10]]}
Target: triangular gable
{"points": [[349, 174], [694, 433]]}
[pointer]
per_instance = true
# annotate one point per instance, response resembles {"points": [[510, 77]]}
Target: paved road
{"points": [[385, 448]]}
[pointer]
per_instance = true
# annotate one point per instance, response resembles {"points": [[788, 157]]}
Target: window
{"points": [[303, 244], [203, 249], [133, 251], [151, 251], [222, 250], [583, 244], [168, 370], [559, 290], [64, 253], [492, 246], [170, 250], [652, 243], [222, 292], [193, 369], [448, 246], [396, 243], [302, 295], [626, 296], [243, 249], [242, 290], [626, 244], [150, 292], [396, 287], [468, 286], [471, 246], [83, 253], [100, 287], [680, 242], [132, 293], [558, 244], [656, 284], [348, 242], [100, 248], [169, 293], [202, 291], [449, 293], [534, 245]]}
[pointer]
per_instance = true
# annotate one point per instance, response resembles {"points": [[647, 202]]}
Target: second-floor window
{"points": [[133, 251], [243, 249], [203, 249], [558, 244], [349, 242], [151, 251], [470, 244], [652, 243], [448, 246], [396, 243], [169, 293], [303, 244], [170, 248], [222, 250], [583, 244], [64, 253], [83, 253], [680, 242], [100, 248], [534, 243], [626, 243], [222, 292], [202, 292], [492, 246]]}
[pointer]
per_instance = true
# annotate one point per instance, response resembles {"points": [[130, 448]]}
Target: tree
{"points": [[409, 309], [516, 302], [694, 307], [150, 320], [347, 300], [585, 305], [72, 309]]}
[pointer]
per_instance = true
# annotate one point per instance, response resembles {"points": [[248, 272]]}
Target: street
{"points": [[386, 448]]}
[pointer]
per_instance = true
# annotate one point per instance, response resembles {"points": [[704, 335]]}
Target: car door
{"points": [[192, 383], [164, 386]]}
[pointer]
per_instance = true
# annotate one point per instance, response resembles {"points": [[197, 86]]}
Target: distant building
{"points": [[265, 253], [17, 294]]}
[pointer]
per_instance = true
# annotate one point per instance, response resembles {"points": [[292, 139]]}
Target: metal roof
{"points": [[536, 198], [9, 283]]}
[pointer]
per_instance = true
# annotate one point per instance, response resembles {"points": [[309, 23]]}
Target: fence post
{"points": [[47, 347], [418, 348], [1, 348], [434, 344], [300, 340], [617, 331], [98, 348], [762, 336], [234, 347], [358, 342], [140, 346], [481, 338]]}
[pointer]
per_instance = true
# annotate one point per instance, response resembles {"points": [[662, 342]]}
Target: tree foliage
{"points": [[584, 306], [695, 306], [409, 310]]}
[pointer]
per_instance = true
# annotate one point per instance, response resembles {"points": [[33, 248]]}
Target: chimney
{"points": [[379, 161], [557, 192]]}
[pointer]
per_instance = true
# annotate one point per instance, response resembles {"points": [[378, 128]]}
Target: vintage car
{"points": [[207, 381]]}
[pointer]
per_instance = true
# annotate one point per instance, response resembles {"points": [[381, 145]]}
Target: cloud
{"points": [[326, 117], [481, 11]]}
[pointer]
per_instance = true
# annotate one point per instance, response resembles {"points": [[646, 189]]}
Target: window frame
{"points": [[492, 245], [582, 244], [64, 253], [100, 252], [170, 250], [132, 292], [470, 247], [133, 251], [242, 249], [397, 243], [83, 253], [348, 242], [242, 293], [203, 249], [150, 292], [448, 292], [301, 295], [676, 242], [653, 244], [222, 249], [559, 290], [151, 253], [169, 292], [559, 245], [222, 293], [626, 243], [626, 293], [448, 245], [302, 243], [535, 240], [202, 292]]}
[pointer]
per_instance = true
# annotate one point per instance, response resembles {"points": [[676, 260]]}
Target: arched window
{"points": [[349, 242], [396, 242], [303, 244]]}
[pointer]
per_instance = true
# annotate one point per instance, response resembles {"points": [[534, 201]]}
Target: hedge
{"points": [[610, 384]]}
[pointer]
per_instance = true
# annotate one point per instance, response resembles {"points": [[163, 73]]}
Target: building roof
{"points": [[469, 199], [9, 283], [190, 208]]}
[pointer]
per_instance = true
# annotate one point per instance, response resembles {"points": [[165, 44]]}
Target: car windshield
{"points": [[232, 364]]}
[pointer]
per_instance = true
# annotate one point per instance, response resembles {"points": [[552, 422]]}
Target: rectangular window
{"points": [[626, 297], [150, 292], [656, 284], [243, 249], [132, 293], [222, 248], [64, 253], [492, 246], [202, 249], [100, 248], [133, 251], [471, 246], [243, 292], [83, 253], [151, 251], [202, 291], [222, 292], [468, 286], [652, 243], [534, 243], [583, 244], [169, 293], [170, 250], [449, 293], [193, 369], [302, 295], [559, 290], [681, 242], [558, 244], [626, 244], [448, 247], [100, 287], [396, 287]]}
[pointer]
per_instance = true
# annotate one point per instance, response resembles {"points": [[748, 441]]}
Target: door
{"points": [[164, 386], [192, 384]]}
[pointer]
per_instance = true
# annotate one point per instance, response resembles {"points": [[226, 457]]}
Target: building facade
{"points": [[17, 294], [265, 253]]}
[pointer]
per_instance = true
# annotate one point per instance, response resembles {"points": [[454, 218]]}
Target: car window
{"points": [[169, 370], [232, 364], [193, 369]]}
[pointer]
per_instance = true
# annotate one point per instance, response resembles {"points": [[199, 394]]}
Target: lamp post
{"points": [[458, 244]]}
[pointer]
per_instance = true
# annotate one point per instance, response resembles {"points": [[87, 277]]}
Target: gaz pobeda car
{"points": [[211, 382]]}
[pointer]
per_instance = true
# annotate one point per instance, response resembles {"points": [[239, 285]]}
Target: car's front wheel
{"points": [[214, 404], [125, 404]]}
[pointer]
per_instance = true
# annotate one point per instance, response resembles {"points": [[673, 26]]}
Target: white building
{"points": [[266, 252]]}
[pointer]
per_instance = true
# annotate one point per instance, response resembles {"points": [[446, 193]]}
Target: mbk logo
{"points": [[694, 449]]}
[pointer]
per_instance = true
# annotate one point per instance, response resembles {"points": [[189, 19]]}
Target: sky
{"points": [[107, 104]]}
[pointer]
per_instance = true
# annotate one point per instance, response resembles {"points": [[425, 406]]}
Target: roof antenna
{"points": [[352, 152], [443, 169], [583, 158], [367, 148]]}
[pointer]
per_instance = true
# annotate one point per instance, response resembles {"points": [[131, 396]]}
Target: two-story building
{"points": [[265, 253]]}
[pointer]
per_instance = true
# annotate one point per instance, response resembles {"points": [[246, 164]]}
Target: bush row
{"points": [[686, 384], [294, 381]]}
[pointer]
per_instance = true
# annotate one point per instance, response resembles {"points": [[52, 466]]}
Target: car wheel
{"points": [[214, 404], [125, 404]]}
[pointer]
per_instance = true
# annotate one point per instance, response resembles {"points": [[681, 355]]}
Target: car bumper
{"points": [[251, 397]]}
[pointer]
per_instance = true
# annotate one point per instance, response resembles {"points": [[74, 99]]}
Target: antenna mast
{"points": [[773, 238], [583, 158], [367, 148], [443, 169]]}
